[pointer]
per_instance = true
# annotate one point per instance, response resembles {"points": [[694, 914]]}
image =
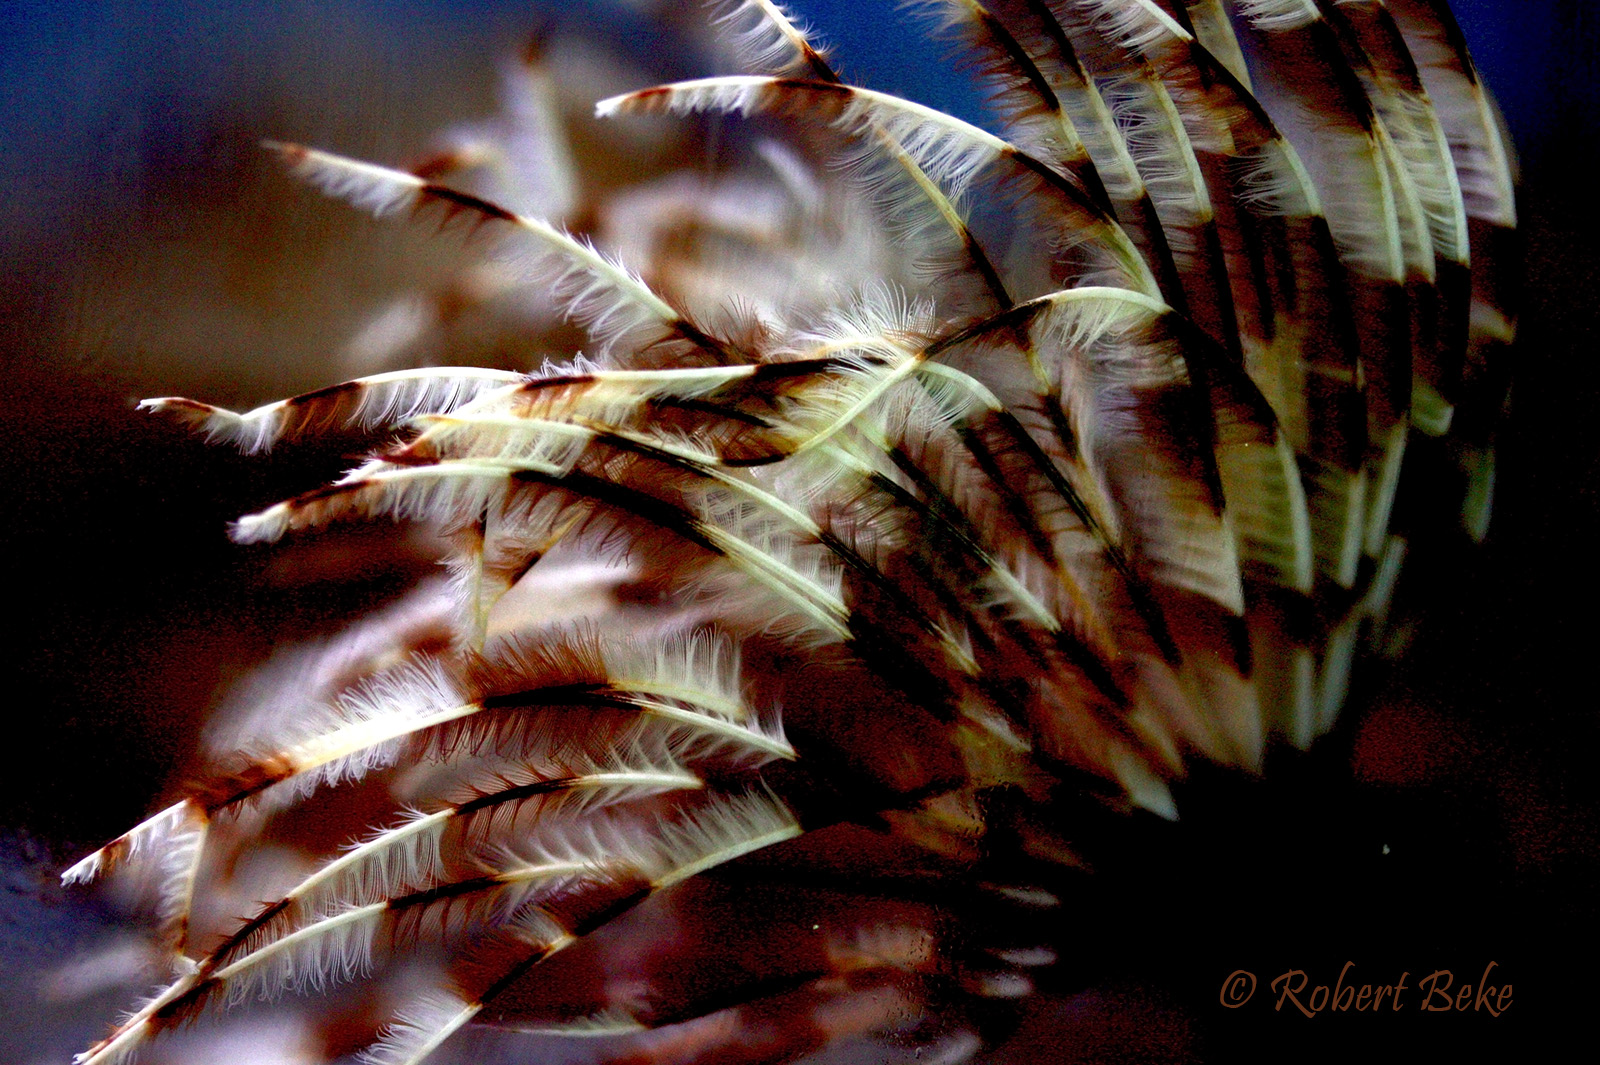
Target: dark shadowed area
{"points": [[148, 247]]}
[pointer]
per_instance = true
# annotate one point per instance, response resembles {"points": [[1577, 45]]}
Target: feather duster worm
{"points": [[916, 490]]}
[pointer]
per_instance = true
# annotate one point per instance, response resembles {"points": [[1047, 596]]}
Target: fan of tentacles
{"points": [[1011, 472]]}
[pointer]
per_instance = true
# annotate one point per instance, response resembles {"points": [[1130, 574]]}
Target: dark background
{"points": [[145, 250]]}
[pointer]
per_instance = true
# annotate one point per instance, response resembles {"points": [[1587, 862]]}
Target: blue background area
{"points": [[61, 62], [104, 89]]}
